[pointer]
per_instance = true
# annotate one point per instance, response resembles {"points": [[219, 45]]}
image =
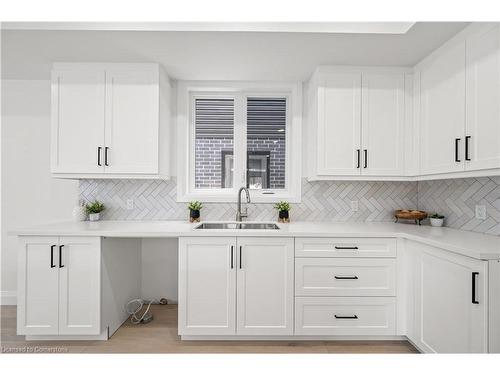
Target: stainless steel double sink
{"points": [[237, 225]]}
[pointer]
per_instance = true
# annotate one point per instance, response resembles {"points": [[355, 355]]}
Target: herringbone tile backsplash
{"points": [[456, 200], [321, 201]]}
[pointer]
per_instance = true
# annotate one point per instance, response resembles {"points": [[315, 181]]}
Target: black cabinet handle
{"points": [[346, 247], [99, 156], [467, 139], [241, 248], [474, 298], [106, 156], [358, 151], [366, 158], [346, 277], [52, 265], [232, 263], [345, 316], [60, 256], [457, 140]]}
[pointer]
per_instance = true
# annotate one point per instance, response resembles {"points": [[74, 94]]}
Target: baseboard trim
{"points": [[103, 336], [292, 338], [8, 298]]}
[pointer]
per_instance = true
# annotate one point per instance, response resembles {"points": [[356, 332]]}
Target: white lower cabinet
{"points": [[450, 302], [207, 286], [345, 277], [235, 286], [345, 316], [59, 286], [265, 286]]}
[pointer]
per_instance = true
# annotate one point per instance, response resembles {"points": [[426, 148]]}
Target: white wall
{"points": [[159, 269], [29, 195]]}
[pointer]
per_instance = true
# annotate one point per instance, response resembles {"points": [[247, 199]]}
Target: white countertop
{"points": [[475, 245]]}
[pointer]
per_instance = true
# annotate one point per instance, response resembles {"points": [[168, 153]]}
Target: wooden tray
{"points": [[416, 215]]}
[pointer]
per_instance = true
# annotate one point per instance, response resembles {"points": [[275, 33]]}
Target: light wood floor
{"points": [[160, 336]]}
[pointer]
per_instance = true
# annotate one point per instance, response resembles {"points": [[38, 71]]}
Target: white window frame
{"points": [[187, 91]]}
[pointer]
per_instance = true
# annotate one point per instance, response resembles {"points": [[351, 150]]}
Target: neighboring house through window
{"points": [[240, 138]]}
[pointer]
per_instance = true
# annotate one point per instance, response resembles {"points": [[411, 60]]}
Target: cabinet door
{"points": [[339, 124], [207, 286], [132, 121], [265, 286], [483, 100], [79, 265], [451, 307], [443, 113], [382, 120], [77, 121], [37, 286]]}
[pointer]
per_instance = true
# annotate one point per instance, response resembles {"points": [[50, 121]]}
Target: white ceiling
{"points": [[304, 27], [227, 55]]}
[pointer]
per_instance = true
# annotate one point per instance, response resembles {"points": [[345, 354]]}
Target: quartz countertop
{"points": [[474, 245]]}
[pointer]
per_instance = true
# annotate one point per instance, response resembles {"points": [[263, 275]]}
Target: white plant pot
{"points": [[94, 217], [437, 222]]}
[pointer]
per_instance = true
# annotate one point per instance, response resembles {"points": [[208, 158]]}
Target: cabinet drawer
{"points": [[345, 247], [345, 277], [345, 316]]}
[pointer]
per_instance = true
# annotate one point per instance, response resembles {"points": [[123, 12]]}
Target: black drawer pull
{"points": [[52, 265], [467, 139], [346, 247], [346, 277], [99, 156], [106, 156], [358, 151], [456, 150], [346, 316], [60, 256], [366, 158], [474, 298]]}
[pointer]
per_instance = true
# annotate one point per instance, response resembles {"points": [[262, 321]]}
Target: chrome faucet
{"points": [[240, 215]]}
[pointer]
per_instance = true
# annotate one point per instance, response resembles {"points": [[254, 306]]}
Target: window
{"points": [[214, 138], [237, 137]]}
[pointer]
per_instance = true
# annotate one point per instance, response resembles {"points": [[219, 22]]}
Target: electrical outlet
{"points": [[130, 204], [354, 206], [480, 212]]}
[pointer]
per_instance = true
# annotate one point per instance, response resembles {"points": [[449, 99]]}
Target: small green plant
{"points": [[436, 216], [94, 208], [195, 206], [282, 206]]}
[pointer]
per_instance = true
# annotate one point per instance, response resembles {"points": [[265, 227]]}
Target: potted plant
{"points": [[283, 208], [437, 220], [194, 211], [94, 210]]}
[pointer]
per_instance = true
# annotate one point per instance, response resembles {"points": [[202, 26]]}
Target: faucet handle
{"points": [[244, 212]]}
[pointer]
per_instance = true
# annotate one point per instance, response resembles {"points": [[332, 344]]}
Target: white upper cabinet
{"points": [[77, 120], [106, 120], [482, 129], [131, 121], [460, 105], [339, 124], [382, 119], [443, 112], [356, 120]]}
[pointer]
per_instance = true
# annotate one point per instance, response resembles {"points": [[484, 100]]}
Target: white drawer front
{"points": [[345, 316], [345, 277], [345, 247]]}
